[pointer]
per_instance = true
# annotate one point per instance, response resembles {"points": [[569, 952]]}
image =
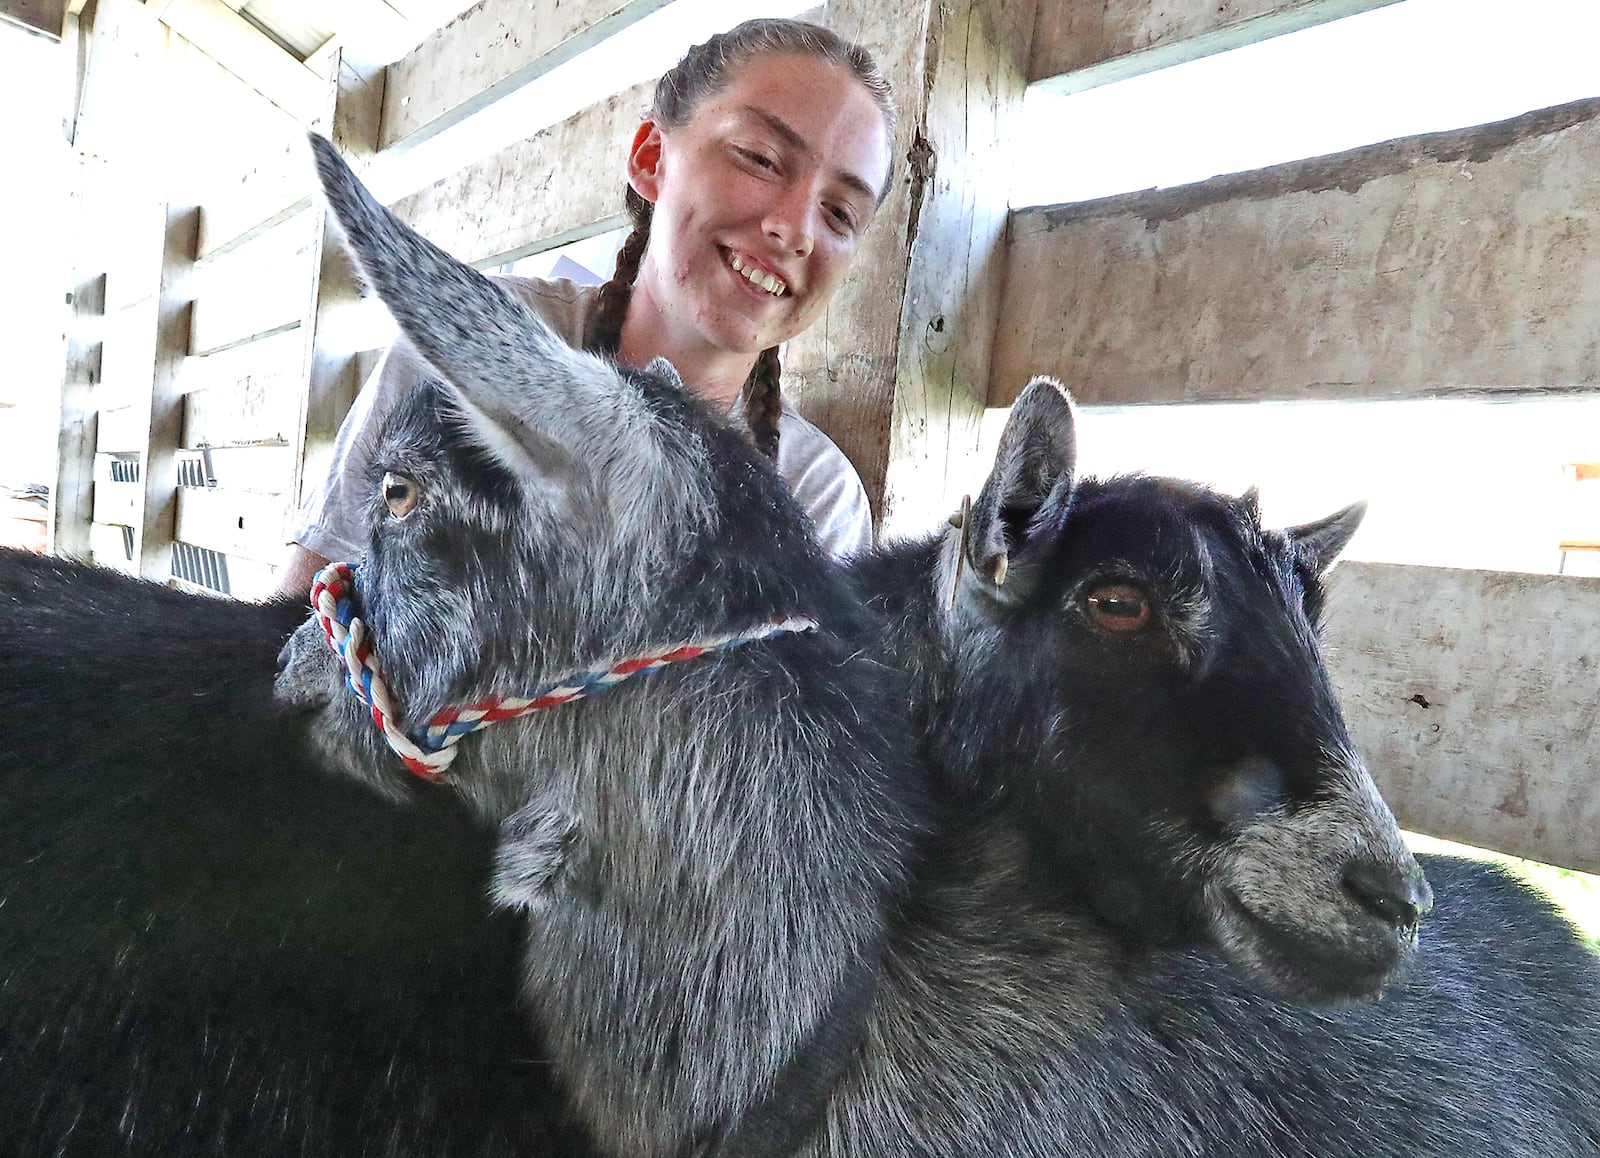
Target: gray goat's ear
{"points": [[1032, 479], [1319, 543], [503, 362]]}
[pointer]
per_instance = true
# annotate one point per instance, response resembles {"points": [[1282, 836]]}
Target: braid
{"points": [[763, 401], [604, 334]]}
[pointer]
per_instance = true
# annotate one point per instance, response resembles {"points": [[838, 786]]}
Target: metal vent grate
{"points": [[201, 566], [125, 470], [194, 470]]}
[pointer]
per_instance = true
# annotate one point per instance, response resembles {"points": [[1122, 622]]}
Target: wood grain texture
{"points": [[1455, 262], [1474, 697], [1078, 44], [560, 184], [491, 50]]}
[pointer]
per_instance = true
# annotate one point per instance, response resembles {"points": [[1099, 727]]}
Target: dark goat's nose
{"points": [[1399, 896]]}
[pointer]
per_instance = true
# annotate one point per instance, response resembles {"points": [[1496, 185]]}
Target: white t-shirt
{"points": [[330, 521]]}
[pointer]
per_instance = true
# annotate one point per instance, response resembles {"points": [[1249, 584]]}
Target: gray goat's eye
{"points": [[1118, 607], [400, 494]]}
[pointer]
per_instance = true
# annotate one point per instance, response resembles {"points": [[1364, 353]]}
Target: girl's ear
{"points": [[644, 161]]}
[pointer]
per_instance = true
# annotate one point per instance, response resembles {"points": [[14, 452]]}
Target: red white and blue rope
{"points": [[428, 751]]}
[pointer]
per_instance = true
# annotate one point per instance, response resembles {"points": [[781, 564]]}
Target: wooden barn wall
{"points": [[1078, 44], [1474, 697], [180, 312], [489, 51], [1458, 261]]}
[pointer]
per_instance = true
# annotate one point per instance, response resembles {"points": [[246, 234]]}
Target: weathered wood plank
{"points": [[952, 298], [247, 395], [117, 503], [127, 355], [257, 170], [559, 185], [72, 508], [247, 52], [1078, 44], [246, 524], [489, 51], [255, 290], [46, 17], [162, 404], [1474, 697], [1454, 262], [894, 368], [330, 375], [123, 91]]}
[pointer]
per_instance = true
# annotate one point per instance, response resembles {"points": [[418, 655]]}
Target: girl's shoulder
{"points": [[562, 305]]}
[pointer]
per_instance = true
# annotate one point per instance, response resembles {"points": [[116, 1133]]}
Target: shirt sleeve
{"points": [[826, 486]]}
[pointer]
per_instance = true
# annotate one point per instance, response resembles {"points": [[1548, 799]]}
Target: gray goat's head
{"points": [[527, 507], [1135, 667]]}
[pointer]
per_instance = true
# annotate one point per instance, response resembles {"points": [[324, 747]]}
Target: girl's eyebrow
{"points": [[789, 136]]}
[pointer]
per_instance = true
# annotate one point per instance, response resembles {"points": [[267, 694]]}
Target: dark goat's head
{"points": [[1136, 669]]}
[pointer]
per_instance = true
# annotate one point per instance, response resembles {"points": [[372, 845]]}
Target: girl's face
{"points": [[760, 200]]}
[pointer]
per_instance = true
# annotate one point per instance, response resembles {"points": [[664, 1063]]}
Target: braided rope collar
{"points": [[428, 750]]}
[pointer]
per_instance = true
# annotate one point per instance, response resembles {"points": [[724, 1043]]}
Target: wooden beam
{"points": [[490, 51], [1455, 262], [1474, 697], [248, 395], [241, 48], [562, 184], [330, 366], [73, 498], [249, 524], [163, 405], [894, 371], [46, 17], [255, 290], [1079, 44]]}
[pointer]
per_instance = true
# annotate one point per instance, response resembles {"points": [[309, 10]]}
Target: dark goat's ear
{"points": [[1033, 474], [1319, 543]]}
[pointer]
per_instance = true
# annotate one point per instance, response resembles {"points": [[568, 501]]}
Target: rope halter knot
{"points": [[428, 750]]}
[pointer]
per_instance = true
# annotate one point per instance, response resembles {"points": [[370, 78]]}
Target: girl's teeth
{"points": [[765, 280]]}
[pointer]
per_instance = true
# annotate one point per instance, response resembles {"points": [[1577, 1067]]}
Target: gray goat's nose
{"points": [[1398, 895]]}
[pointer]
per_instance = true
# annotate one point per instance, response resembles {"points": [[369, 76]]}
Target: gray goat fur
{"points": [[702, 861], [744, 817]]}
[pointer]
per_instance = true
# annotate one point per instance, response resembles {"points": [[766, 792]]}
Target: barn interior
{"points": [[1344, 310]]}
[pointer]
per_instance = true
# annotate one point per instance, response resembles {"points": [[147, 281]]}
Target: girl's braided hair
{"points": [[703, 72]]}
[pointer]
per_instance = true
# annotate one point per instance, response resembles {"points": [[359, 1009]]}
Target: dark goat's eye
{"points": [[401, 494], [1118, 607]]}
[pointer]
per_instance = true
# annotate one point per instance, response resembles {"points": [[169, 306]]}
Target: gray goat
{"points": [[707, 856]]}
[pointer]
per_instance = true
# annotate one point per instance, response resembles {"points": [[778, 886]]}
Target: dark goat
{"points": [[1136, 729], [207, 944]]}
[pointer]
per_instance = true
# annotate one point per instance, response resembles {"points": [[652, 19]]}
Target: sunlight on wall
{"points": [[34, 211], [1420, 66], [1449, 482]]}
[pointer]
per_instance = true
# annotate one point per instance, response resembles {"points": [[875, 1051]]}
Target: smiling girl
{"points": [[766, 152]]}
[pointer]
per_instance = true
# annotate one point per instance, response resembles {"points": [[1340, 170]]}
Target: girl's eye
{"points": [[400, 495], [1118, 607], [755, 158], [841, 218]]}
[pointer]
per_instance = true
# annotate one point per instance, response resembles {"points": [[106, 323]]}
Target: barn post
{"points": [[332, 369], [897, 371]]}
